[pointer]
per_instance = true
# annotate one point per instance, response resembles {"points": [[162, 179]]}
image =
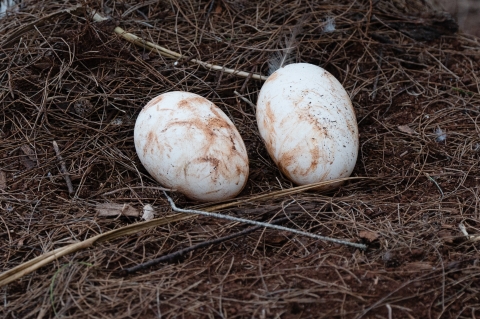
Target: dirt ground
{"points": [[413, 200]]}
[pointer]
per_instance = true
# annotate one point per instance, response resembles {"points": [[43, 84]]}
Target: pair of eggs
{"points": [[304, 116]]}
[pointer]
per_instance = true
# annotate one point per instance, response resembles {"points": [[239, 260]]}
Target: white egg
{"points": [[308, 124], [187, 143]]}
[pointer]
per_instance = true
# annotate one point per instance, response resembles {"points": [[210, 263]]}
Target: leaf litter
{"points": [[67, 78]]}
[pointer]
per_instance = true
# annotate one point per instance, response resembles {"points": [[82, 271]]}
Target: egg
{"points": [[187, 143], [308, 124]]}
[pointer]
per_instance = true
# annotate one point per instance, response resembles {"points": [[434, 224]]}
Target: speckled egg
{"points": [[308, 124], [187, 143]]}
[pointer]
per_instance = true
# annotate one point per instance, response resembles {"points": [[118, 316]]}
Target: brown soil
{"points": [[413, 82]]}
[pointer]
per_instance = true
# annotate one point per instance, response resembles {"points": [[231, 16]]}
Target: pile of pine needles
{"points": [[73, 78]]}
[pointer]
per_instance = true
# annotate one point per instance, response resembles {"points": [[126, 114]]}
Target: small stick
{"points": [[30, 266], [465, 233], [242, 89], [267, 225], [181, 252], [380, 58], [245, 100], [389, 308], [174, 55], [137, 187], [436, 184], [63, 168], [210, 8]]}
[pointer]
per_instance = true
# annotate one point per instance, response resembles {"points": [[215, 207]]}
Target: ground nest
{"points": [[68, 79]]}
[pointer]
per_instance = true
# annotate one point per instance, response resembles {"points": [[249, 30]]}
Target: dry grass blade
{"points": [[283, 193], [42, 260]]}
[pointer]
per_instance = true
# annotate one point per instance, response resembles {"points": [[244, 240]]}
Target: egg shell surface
{"points": [[308, 124], [187, 143]]}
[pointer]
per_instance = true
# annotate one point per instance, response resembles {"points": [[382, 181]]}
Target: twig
{"points": [[136, 187], [436, 184], [244, 85], [181, 252], [245, 100], [389, 308], [369, 16], [171, 54], [380, 58], [31, 265], [210, 8], [472, 238], [63, 168], [267, 225]]}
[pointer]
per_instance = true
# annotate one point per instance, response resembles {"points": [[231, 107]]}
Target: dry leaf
{"points": [[406, 129], [20, 242], [30, 160], [276, 238], [148, 212], [3, 180], [113, 210], [27, 150], [370, 236]]}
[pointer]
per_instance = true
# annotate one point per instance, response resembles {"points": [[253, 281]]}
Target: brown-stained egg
{"points": [[308, 124], [187, 143]]}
